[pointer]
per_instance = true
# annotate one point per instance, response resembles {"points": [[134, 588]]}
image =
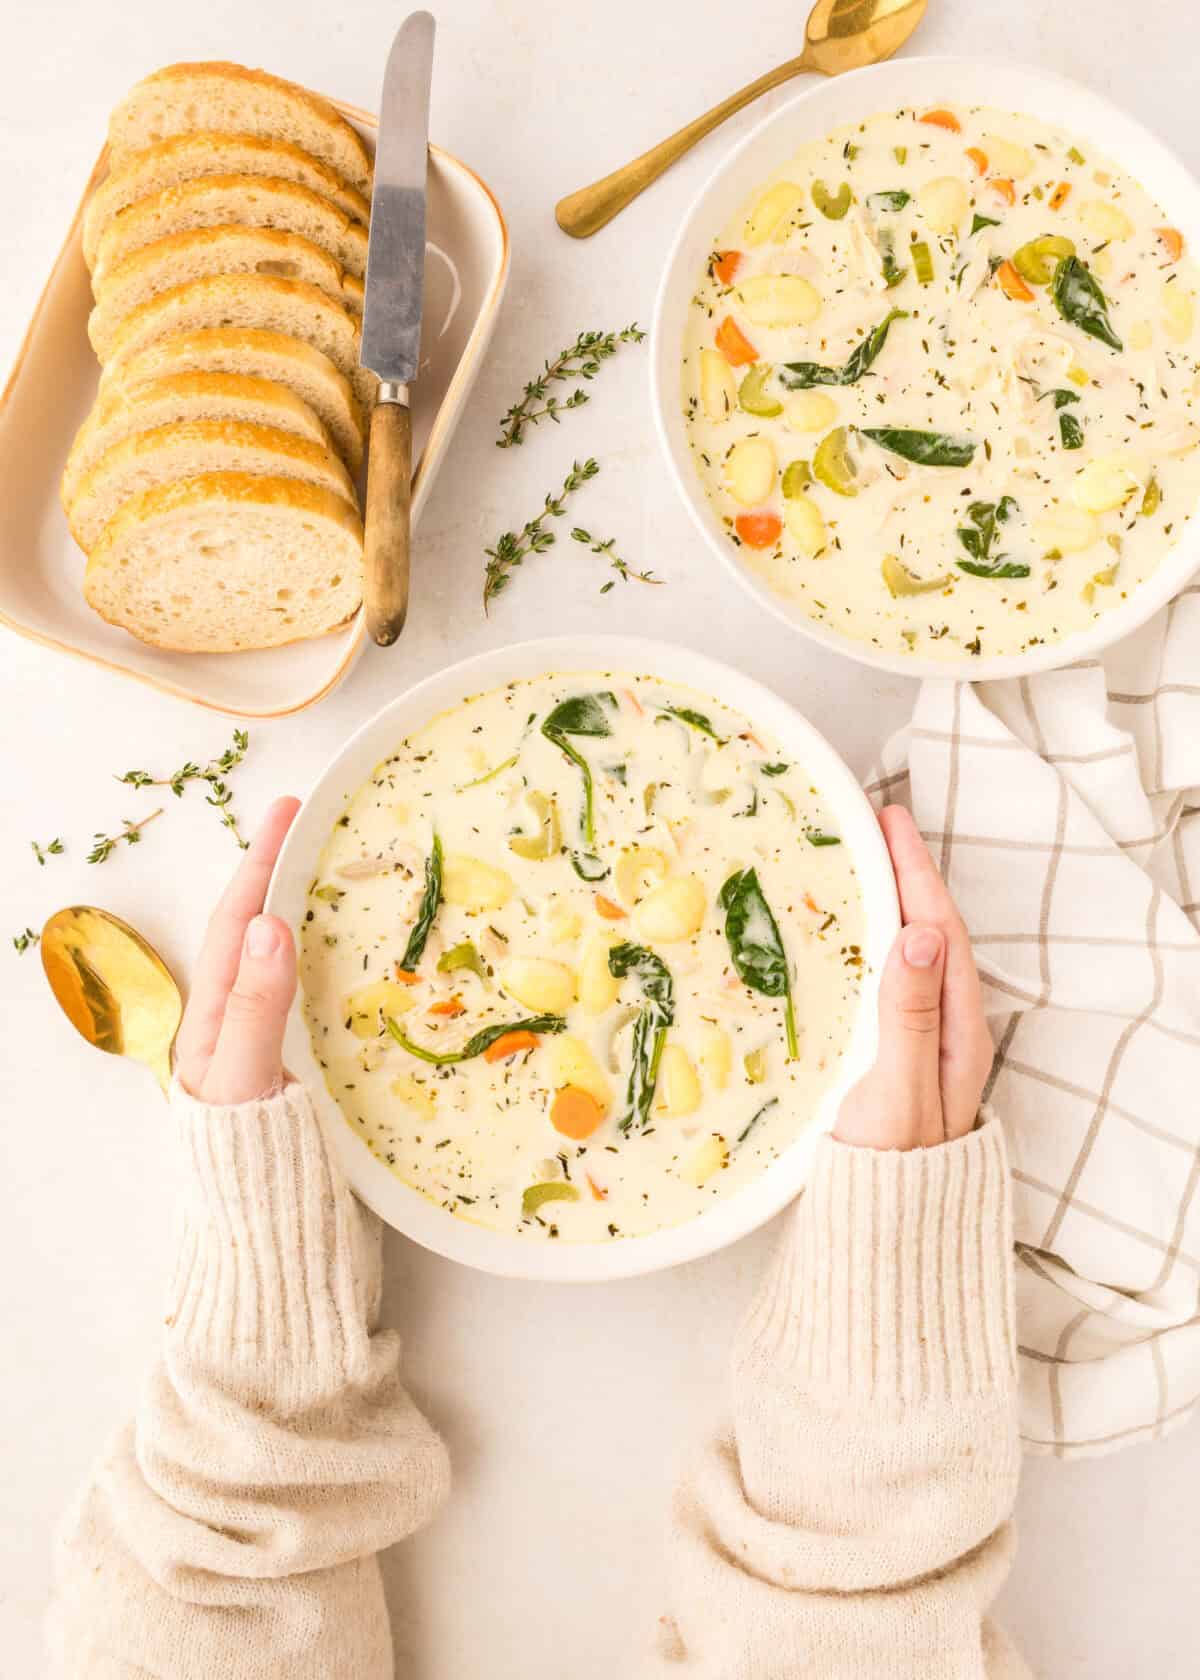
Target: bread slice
{"points": [[247, 300], [191, 157], [185, 98], [259, 357], [183, 257], [228, 561], [166, 453], [249, 201], [180, 398]]}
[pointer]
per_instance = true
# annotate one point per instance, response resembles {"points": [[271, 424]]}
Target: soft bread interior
{"points": [[223, 563]]}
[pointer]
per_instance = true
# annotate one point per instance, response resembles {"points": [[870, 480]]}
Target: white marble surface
{"points": [[564, 1408]]}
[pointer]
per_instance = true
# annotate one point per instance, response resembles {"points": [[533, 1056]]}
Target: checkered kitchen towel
{"points": [[1065, 813]]}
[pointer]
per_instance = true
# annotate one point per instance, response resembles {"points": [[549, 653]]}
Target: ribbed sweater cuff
{"points": [[895, 1279], [276, 1265]]}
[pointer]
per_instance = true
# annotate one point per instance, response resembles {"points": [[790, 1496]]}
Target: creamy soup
{"points": [[940, 381], [582, 956]]}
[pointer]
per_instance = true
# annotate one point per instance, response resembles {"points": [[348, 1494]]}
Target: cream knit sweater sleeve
{"points": [[231, 1529], [852, 1522]]}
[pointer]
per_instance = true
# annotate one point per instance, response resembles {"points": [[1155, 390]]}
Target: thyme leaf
{"points": [[512, 547], [580, 360]]}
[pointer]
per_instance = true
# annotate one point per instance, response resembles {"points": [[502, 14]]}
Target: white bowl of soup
{"points": [[590, 932], [926, 368]]}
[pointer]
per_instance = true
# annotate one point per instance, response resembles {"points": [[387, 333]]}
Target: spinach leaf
{"points": [[892, 272], [927, 449], [1079, 299], [816, 838], [878, 202], [1070, 431], [978, 537], [978, 223], [800, 376], [1000, 568], [586, 715], [775, 769], [754, 1119], [694, 720], [588, 866], [756, 946], [482, 1040], [650, 1030], [427, 910]]}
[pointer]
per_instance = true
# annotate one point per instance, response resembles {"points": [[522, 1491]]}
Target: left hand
{"points": [[230, 1043]]}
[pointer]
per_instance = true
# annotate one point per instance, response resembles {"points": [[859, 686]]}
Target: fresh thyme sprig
{"points": [[533, 537], [106, 844], [54, 849], [622, 567], [214, 773], [580, 360], [23, 942]]}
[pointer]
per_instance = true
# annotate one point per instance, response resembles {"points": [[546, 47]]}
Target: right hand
{"points": [[935, 1052]]}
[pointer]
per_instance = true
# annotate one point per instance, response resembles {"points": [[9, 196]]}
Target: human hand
{"points": [[230, 1043], [935, 1051]]}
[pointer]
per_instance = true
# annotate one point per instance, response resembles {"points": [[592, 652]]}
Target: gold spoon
{"points": [[840, 35], [115, 990]]}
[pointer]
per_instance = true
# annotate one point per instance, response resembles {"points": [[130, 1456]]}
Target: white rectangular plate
{"points": [[54, 383]]}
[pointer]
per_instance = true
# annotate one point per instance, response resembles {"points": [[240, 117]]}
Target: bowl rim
{"points": [[731, 1217], [1179, 563]]}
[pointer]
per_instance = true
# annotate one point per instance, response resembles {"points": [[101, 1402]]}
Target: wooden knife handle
{"points": [[388, 522]]}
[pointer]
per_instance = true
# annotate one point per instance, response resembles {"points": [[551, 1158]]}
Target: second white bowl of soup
{"points": [[590, 933], [926, 368]]}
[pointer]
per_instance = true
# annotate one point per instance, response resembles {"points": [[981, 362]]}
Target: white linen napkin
{"points": [[1063, 812]]}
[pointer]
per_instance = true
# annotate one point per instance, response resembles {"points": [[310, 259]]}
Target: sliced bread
{"points": [[166, 453], [146, 404], [215, 201], [190, 157], [228, 561], [247, 300], [254, 354], [185, 98], [184, 257]]}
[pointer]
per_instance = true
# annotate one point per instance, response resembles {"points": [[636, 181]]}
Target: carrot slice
{"points": [[758, 530], [510, 1044], [406, 976], [1172, 242], [1001, 185], [749, 735], [978, 158], [1012, 285], [726, 265], [733, 344], [575, 1113], [1060, 195], [610, 911], [449, 1006], [598, 1193], [942, 119], [639, 709]]}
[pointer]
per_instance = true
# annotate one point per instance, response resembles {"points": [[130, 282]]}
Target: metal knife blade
{"points": [[391, 329]]}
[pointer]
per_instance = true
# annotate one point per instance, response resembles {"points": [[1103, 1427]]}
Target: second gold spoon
{"points": [[840, 35], [112, 986]]}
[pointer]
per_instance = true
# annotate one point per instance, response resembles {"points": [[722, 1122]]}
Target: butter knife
{"points": [[391, 329]]}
